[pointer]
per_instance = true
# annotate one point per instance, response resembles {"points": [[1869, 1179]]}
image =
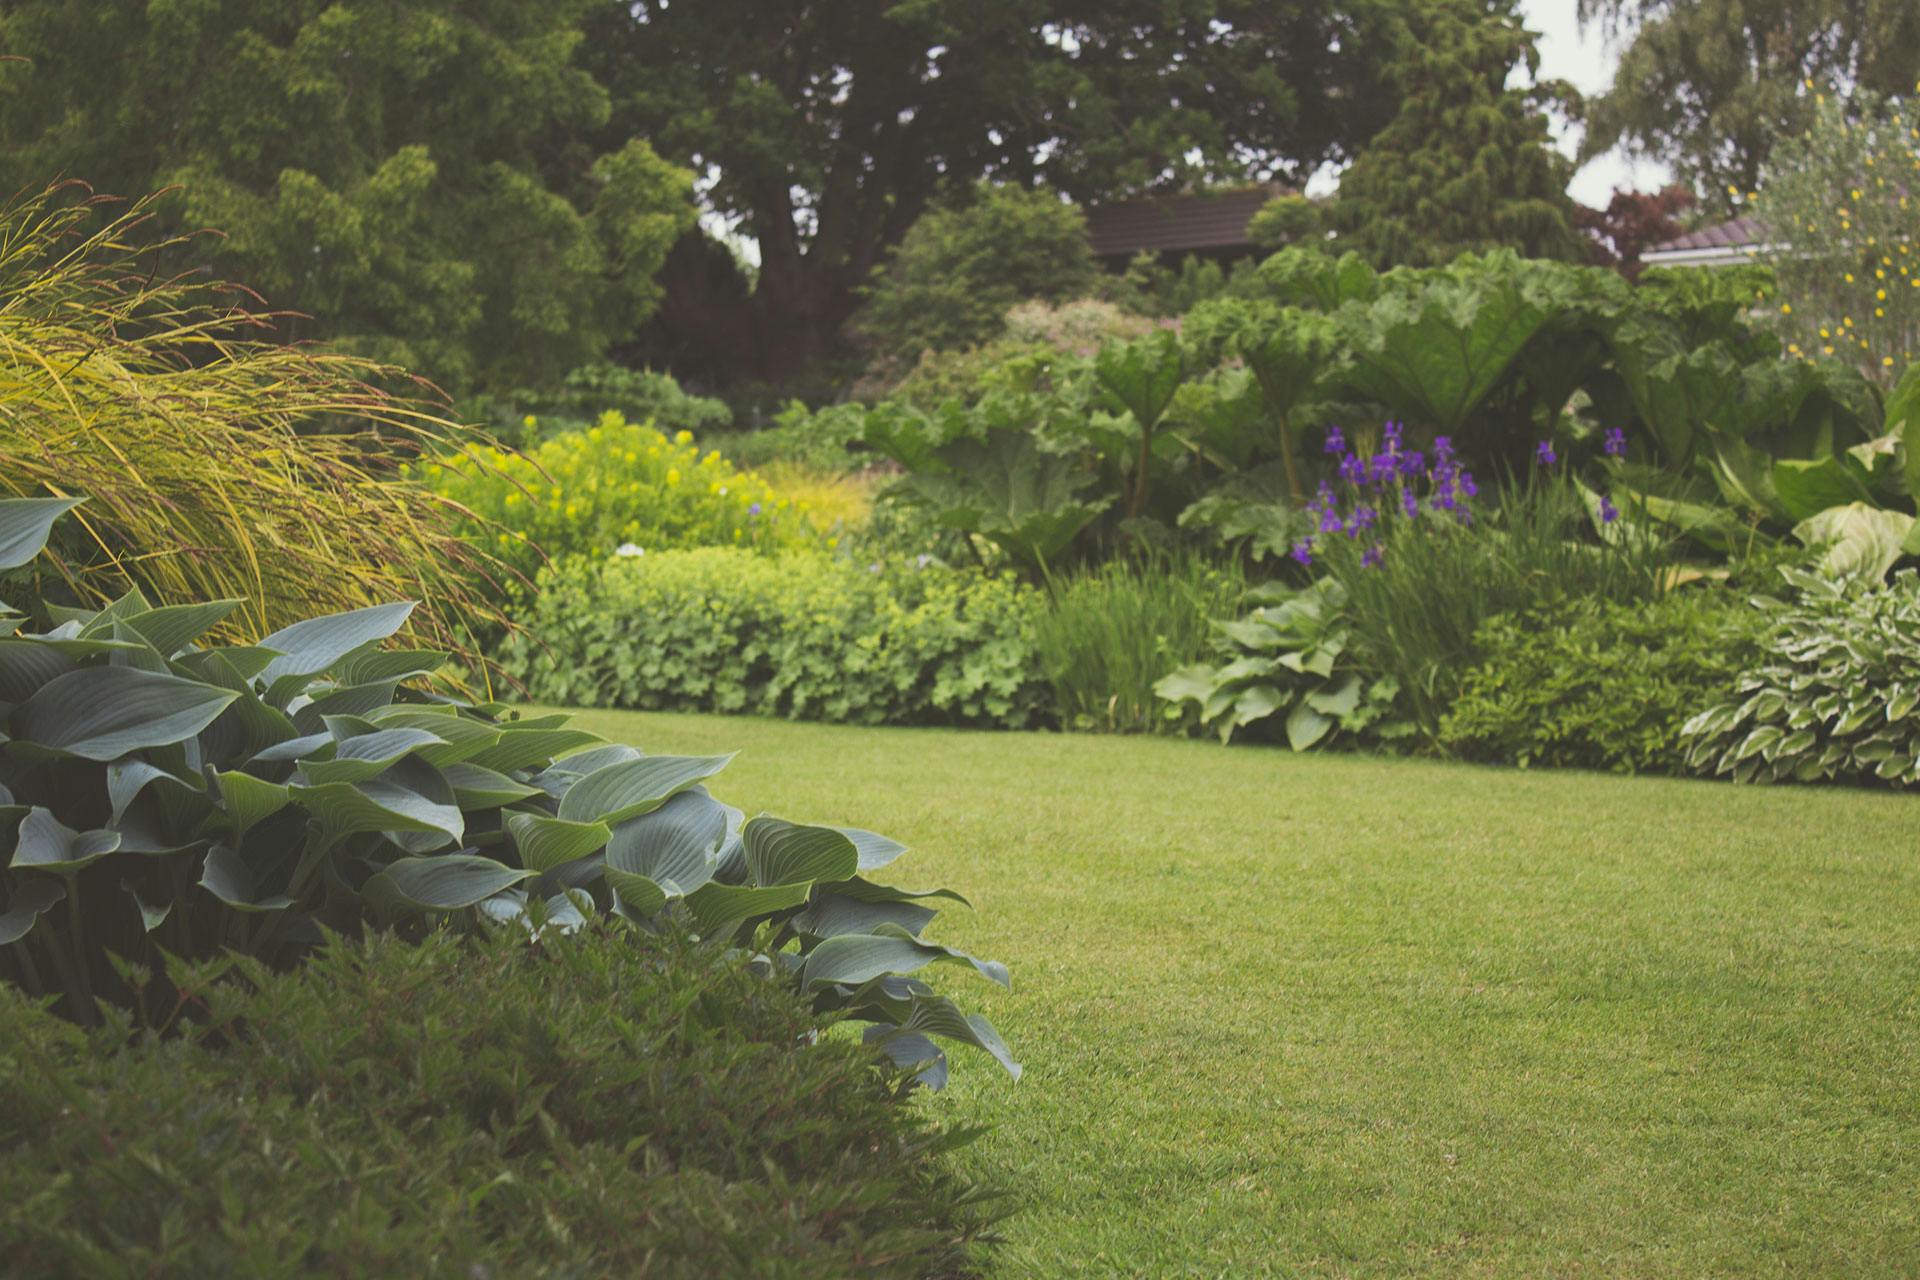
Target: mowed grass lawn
{"points": [[1326, 1015]]}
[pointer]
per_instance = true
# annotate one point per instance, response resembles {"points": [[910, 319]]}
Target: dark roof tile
{"points": [[1215, 220]]}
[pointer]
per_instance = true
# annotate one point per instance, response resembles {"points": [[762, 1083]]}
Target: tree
{"points": [[414, 178], [1632, 223], [824, 130], [1708, 86], [1843, 221], [950, 282], [1467, 163]]}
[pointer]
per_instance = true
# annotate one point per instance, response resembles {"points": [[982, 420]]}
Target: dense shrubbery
{"points": [[1597, 684], [592, 391], [801, 635], [617, 482], [1834, 695], [608, 1103]]}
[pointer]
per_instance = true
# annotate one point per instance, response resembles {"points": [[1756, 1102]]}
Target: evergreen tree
{"points": [[1467, 163]]}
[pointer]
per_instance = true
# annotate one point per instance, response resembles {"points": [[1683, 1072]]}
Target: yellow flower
{"points": [[673, 475], [1880, 294], [512, 499], [573, 510], [529, 422], [683, 437], [1824, 333], [1887, 361], [1785, 309], [630, 457], [1828, 350], [1849, 277], [832, 543]]}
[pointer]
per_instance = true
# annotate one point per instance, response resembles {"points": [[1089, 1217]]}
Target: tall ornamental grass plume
{"points": [[217, 464], [1424, 558]]}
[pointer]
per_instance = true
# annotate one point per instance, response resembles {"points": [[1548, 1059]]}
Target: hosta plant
{"points": [[1289, 661], [1836, 697], [162, 797]]}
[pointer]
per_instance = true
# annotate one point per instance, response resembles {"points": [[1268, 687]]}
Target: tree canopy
{"points": [[825, 130], [431, 183], [1709, 86], [1467, 163]]}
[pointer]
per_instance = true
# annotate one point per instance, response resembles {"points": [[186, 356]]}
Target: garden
{"points": [[1390, 752]]}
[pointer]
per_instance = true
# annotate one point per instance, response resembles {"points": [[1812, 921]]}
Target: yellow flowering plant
{"points": [[1841, 203], [617, 486]]}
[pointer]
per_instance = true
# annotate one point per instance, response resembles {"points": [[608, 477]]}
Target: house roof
{"points": [[1731, 241], [1161, 224]]}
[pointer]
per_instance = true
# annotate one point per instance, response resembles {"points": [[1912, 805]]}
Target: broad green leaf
{"points": [[362, 757], [25, 524], [312, 646], [1341, 700], [864, 890], [173, 627], [546, 843], [851, 959], [226, 875], [673, 847], [1859, 539], [875, 851], [1143, 375], [521, 748], [1808, 488], [713, 905], [151, 916], [32, 897], [476, 788], [370, 664], [127, 778], [445, 883], [47, 844], [1306, 726], [939, 1016], [102, 713], [27, 665], [633, 787], [248, 800], [782, 852], [830, 914], [394, 801], [462, 737]]}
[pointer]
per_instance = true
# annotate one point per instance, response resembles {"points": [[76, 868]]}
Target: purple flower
{"points": [[1336, 441], [1545, 455], [754, 510], [1353, 471], [1329, 521], [1384, 467], [1413, 464], [1409, 505], [1364, 517], [1442, 450], [1608, 512], [1616, 444], [1374, 555], [1392, 432], [1302, 552], [1467, 486]]}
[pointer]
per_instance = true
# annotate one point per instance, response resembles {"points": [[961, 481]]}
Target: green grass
{"points": [[1328, 1015]]}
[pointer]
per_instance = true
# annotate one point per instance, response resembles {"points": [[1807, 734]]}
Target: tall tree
{"points": [[823, 129], [414, 177], [1467, 163], [1709, 86]]}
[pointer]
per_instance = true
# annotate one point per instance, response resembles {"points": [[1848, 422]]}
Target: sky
{"points": [[1586, 61]]}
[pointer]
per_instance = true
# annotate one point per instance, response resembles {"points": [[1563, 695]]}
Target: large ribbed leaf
{"points": [[851, 959], [445, 883], [782, 852], [875, 851], [394, 801], [461, 737], [47, 844], [102, 713], [24, 525], [633, 787], [359, 758], [126, 779], [475, 788], [173, 627], [310, 647], [714, 905], [227, 877], [546, 843], [521, 748], [32, 898], [666, 853], [248, 800], [27, 665], [939, 1016], [830, 914]]}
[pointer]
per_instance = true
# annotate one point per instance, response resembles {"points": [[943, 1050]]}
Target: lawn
{"points": [[1326, 1015]]}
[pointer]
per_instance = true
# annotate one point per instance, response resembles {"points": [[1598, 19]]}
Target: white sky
{"points": [[1586, 61]]}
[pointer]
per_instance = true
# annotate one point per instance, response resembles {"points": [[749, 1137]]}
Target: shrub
{"points": [[1833, 695], [612, 1103], [824, 439], [196, 799], [1105, 635], [638, 395], [803, 635], [219, 464], [614, 483], [1596, 684]]}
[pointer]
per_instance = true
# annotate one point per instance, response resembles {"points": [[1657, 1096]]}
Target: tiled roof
{"points": [[1739, 233], [1215, 220]]}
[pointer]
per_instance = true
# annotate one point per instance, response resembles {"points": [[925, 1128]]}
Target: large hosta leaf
{"points": [[714, 905], [411, 796], [173, 627], [362, 757], [546, 843], [830, 914], [938, 1016], [445, 883], [45, 843], [313, 646], [32, 898], [671, 850], [782, 852], [521, 747], [633, 787], [24, 525], [226, 875], [1859, 539], [475, 788], [851, 959], [102, 713]]}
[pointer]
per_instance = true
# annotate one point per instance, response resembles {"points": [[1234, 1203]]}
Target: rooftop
{"points": [[1182, 223]]}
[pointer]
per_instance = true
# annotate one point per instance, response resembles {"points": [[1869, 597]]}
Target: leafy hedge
{"points": [[587, 1106], [1595, 684], [804, 636]]}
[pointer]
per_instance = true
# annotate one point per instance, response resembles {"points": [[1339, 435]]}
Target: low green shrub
{"points": [[638, 395], [157, 796], [1105, 635], [826, 439], [593, 1105], [611, 484], [805, 636], [1597, 684], [1832, 697]]}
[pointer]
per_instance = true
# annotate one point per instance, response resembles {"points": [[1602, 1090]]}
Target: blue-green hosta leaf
{"points": [[461, 737], [546, 843], [713, 905], [173, 627], [875, 851], [446, 883], [521, 748], [312, 744], [911, 1051], [353, 700], [248, 800], [370, 664], [47, 844], [558, 778], [633, 787], [1341, 700], [853, 958], [1306, 726], [104, 712], [151, 916], [25, 524], [32, 897], [412, 796], [830, 914], [247, 727], [359, 758], [226, 875], [476, 788], [863, 890], [28, 665], [782, 852], [230, 668], [312, 646], [126, 779], [674, 847], [939, 1016]]}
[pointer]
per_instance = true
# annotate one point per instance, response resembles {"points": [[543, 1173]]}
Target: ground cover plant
{"points": [[1331, 1015], [609, 1102], [160, 797], [803, 635]]}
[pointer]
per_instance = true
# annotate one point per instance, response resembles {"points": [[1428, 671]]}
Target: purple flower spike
{"points": [[1467, 486], [1374, 555], [754, 510], [1616, 443], [1336, 441], [1329, 521], [1442, 450], [1409, 505], [1413, 464], [1353, 472], [1608, 512], [1302, 552], [1392, 433], [1545, 455]]}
